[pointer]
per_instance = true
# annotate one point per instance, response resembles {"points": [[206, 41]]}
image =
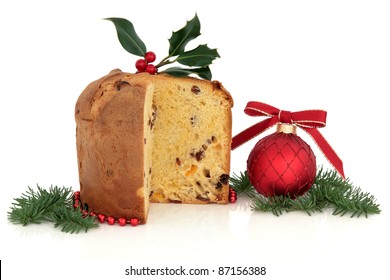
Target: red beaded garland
{"points": [[134, 222], [101, 218], [232, 195], [110, 220], [122, 221]]}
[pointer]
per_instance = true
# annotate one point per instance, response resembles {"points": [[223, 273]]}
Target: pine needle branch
{"points": [[310, 203], [53, 205], [276, 204], [72, 220], [241, 184], [343, 196], [33, 206], [328, 191]]}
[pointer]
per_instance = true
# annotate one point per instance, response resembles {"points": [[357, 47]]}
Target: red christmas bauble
{"points": [[282, 164]]}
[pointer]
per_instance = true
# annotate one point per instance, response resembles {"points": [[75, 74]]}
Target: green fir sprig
{"points": [[242, 185], [72, 220], [54, 205], [197, 60], [328, 191]]}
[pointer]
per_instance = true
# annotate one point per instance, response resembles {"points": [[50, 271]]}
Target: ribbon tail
{"points": [[326, 149], [252, 132]]}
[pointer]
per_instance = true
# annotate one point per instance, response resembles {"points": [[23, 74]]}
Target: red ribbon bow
{"points": [[308, 120]]}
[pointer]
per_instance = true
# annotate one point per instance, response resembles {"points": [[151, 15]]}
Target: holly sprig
{"points": [[328, 191], [197, 60], [54, 205]]}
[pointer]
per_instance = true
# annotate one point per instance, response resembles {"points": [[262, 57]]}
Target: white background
{"points": [[295, 55]]}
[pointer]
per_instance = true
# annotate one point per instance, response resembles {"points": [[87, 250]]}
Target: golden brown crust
{"points": [[110, 147]]}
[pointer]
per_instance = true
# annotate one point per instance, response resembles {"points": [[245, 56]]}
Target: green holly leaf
{"points": [[200, 56], [178, 71], [128, 37], [203, 72], [180, 38], [197, 59]]}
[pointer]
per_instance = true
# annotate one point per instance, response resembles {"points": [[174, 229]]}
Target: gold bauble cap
{"points": [[286, 128]]}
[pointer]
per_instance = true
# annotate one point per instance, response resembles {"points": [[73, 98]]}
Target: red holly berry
{"points": [[150, 57], [151, 69], [141, 64]]}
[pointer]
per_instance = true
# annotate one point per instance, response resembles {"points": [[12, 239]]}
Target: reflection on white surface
{"points": [[208, 235], [202, 232]]}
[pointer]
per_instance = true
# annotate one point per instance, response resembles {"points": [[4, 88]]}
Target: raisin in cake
{"points": [[152, 138]]}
